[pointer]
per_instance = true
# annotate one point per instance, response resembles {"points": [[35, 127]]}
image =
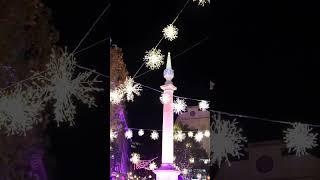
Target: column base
{"points": [[166, 172]]}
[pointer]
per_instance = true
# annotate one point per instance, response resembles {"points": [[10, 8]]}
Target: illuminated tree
{"points": [[188, 149], [119, 152]]}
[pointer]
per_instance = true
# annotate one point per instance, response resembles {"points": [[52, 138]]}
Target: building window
{"points": [[264, 164]]}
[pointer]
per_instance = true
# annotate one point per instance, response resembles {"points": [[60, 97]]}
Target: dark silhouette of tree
{"points": [[26, 39]]}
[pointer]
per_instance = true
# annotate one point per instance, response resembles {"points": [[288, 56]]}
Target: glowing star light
{"points": [[154, 59], [191, 160], [154, 135], [65, 85], [226, 140], [199, 136], [202, 2], [203, 105], [113, 135], [165, 98], [179, 106], [131, 88], [141, 132], [185, 171], [116, 96], [152, 166], [207, 133], [128, 134], [135, 158], [170, 32], [190, 134], [179, 136], [299, 138]]}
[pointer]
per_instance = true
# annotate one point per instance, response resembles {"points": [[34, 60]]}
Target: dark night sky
{"points": [[262, 56], [136, 27], [81, 152]]}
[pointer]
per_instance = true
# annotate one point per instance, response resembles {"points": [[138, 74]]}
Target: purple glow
{"points": [[119, 163], [37, 168]]}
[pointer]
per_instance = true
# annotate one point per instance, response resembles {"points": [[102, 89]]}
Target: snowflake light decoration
{"points": [[202, 2], [131, 88], [299, 138], [128, 134], [203, 105], [116, 96], [154, 58], [19, 110], [179, 106], [152, 166], [135, 158], [191, 160], [185, 171], [141, 132], [154, 135], [199, 136], [170, 32], [190, 134], [113, 135], [64, 85], [207, 133], [165, 98], [179, 136], [226, 140]]}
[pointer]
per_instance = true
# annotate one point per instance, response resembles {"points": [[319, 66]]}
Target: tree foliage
{"points": [[26, 40]]}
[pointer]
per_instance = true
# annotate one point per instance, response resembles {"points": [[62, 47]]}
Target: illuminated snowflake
{"points": [[128, 134], [116, 96], [135, 158], [113, 135], [64, 85], [207, 133], [299, 138], [190, 134], [179, 136], [199, 136], [19, 110], [202, 2], [185, 171], [130, 88], [141, 132], [226, 140], [165, 98], [191, 160], [154, 135], [179, 106], [154, 59], [170, 32], [203, 105], [152, 166]]}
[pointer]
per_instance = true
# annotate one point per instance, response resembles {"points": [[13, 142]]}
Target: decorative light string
{"points": [[186, 50], [259, 118], [88, 32], [174, 20]]}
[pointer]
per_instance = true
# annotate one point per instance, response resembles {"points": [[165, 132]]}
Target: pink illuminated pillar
{"points": [[167, 125], [167, 171]]}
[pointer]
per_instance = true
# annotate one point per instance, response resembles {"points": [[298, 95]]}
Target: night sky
{"points": [[137, 27], [81, 152], [261, 55]]}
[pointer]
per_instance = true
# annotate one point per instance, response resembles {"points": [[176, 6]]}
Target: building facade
{"points": [[267, 161]]}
